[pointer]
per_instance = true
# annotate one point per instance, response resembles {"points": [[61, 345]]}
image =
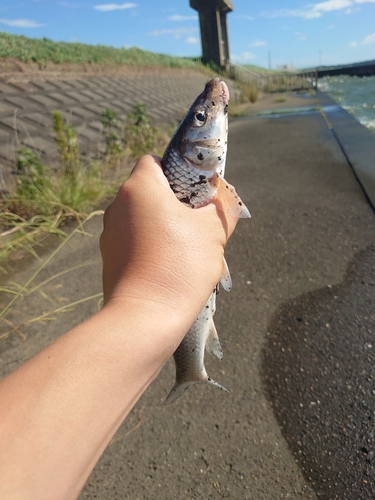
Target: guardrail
{"points": [[274, 82]]}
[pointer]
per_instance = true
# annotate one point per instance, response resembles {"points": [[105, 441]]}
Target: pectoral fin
{"points": [[213, 343], [226, 280], [227, 199]]}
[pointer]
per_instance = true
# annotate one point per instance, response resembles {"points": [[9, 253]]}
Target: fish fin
{"points": [[213, 343], [227, 199], [226, 280], [179, 388]]}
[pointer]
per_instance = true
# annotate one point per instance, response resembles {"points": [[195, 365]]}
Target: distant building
{"points": [[285, 67], [214, 30]]}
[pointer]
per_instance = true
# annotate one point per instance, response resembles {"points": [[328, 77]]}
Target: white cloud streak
{"points": [[192, 40], [177, 17], [369, 39], [244, 16], [21, 23], [313, 11], [258, 43], [176, 33], [107, 7], [243, 58]]}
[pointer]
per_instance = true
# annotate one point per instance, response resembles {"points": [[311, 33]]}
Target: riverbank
{"points": [[310, 221]]}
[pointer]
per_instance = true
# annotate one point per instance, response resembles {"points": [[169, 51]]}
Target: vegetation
{"points": [[43, 50], [249, 92], [43, 198]]}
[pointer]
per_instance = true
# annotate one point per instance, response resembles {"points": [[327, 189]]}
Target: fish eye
{"points": [[200, 118]]}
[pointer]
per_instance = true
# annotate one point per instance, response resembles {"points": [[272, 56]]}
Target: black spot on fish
{"points": [[202, 180], [226, 109], [219, 158], [213, 103], [207, 307], [200, 157], [218, 139], [193, 350], [240, 203], [186, 199]]}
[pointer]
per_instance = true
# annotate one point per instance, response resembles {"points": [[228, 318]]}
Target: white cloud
{"points": [[243, 58], [192, 40], [177, 17], [313, 11], [258, 43], [176, 33], [106, 7], [369, 39], [21, 23], [366, 41], [244, 16]]}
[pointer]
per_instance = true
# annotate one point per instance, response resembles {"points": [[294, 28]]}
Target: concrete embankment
{"points": [[296, 333], [28, 100]]}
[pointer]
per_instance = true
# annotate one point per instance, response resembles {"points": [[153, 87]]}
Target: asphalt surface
{"points": [[296, 332]]}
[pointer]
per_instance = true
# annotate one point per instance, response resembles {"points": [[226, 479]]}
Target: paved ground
{"points": [[296, 332]]}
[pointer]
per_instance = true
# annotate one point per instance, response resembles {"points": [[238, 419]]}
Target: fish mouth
{"points": [[218, 90], [224, 95]]}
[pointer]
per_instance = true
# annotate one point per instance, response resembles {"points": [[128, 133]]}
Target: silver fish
{"points": [[194, 164]]}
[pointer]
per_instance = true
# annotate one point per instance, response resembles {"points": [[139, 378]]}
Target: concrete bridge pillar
{"points": [[214, 30]]}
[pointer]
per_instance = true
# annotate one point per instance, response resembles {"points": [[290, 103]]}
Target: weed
{"points": [[112, 139], [67, 145], [43, 198], [279, 99], [140, 136], [249, 92]]}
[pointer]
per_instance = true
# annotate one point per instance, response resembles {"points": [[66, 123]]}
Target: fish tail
{"points": [[179, 388]]}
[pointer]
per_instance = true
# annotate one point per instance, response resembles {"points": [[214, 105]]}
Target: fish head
{"points": [[201, 138]]}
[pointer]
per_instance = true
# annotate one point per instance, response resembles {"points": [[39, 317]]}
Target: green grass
{"points": [[42, 50], [43, 198]]}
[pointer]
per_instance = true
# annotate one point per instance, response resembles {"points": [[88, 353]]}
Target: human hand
{"points": [[157, 250]]}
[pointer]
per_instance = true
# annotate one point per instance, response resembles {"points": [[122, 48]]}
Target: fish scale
{"points": [[194, 164], [189, 184]]}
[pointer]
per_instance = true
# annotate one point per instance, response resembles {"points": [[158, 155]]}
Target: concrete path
{"points": [[296, 333]]}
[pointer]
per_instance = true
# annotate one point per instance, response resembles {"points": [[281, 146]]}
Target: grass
{"points": [[42, 50], [44, 198], [18, 293]]}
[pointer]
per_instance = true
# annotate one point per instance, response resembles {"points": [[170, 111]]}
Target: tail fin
{"points": [[179, 388]]}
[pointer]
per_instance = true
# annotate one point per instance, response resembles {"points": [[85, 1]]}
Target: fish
{"points": [[194, 164]]}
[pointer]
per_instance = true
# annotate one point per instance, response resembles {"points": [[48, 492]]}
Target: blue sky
{"points": [[291, 32]]}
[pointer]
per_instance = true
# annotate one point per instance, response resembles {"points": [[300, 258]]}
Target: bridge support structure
{"points": [[214, 30]]}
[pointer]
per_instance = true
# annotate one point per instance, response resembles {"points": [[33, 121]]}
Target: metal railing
{"points": [[274, 82]]}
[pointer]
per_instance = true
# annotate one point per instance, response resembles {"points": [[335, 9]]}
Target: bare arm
{"points": [[59, 411]]}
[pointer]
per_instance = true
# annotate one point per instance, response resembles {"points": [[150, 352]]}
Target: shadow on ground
{"points": [[319, 373]]}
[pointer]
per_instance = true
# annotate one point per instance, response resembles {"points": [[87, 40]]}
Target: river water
{"points": [[356, 95]]}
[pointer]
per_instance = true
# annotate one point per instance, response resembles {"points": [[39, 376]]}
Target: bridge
{"points": [[366, 68]]}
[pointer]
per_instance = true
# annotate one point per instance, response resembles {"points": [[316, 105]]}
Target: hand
{"points": [[158, 250]]}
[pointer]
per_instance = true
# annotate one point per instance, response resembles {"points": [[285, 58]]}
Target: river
{"points": [[355, 94]]}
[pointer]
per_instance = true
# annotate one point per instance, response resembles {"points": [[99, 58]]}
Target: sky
{"points": [[276, 32]]}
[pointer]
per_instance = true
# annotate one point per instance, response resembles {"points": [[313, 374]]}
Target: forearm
{"points": [[63, 406]]}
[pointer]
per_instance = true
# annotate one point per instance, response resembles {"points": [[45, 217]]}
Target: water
{"points": [[356, 95]]}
